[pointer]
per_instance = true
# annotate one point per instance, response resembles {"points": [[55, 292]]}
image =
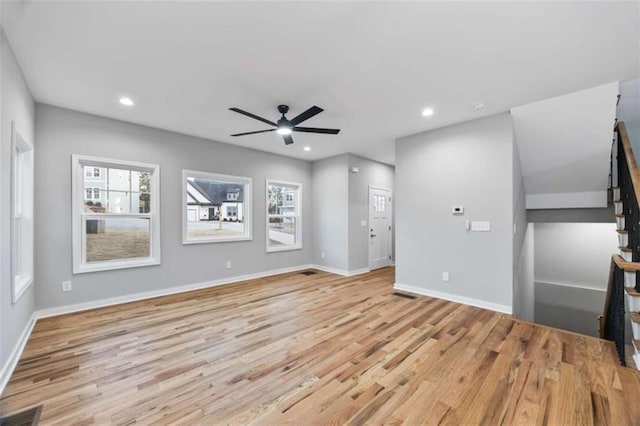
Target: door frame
{"points": [[370, 214]]}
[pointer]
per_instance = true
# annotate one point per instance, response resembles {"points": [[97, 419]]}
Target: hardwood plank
{"points": [[294, 349]]}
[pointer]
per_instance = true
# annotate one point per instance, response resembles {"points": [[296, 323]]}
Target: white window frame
{"points": [[247, 182], [22, 214], [80, 265], [297, 201]]}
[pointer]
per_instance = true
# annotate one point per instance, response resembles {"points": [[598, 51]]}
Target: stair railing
{"points": [[612, 323]]}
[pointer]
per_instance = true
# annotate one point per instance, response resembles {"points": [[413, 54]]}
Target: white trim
{"points": [[581, 287], [21, 255], [507, 309], [44, 313], [297, 216], [78, 231], [342, 272], [567, 200], [247, 220], [12, 361]]}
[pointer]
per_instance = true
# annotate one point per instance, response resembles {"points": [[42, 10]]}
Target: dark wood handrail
{"points": [[631, 159], [624, 265]]}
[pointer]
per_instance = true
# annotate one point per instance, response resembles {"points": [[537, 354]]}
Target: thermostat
{"points": [[457, 209]]}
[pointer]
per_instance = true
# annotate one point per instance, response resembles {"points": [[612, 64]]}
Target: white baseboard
{"points": [[44, 313], [10, 365], [578, 286], [342, 272], [507, 309]]}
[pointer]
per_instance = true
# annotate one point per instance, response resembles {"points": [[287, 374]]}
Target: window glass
{"points": [[217, 207], [283, 216], [116, 224]]}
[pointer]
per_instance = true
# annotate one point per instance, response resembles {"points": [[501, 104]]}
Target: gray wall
{"points": [[571, 273], [370, 173], [524, 302], [569, 308], [17, 105], [61, 132], [468, 164], [331, 212], [522, 261]]}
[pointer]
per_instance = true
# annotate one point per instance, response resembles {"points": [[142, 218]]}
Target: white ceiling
{"points": [[372, 66]]}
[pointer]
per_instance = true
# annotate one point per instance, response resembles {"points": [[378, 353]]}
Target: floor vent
{"points": [[406, 296], [30, 417], [308, 272]]}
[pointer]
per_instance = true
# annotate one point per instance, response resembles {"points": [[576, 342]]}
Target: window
{"points": [[21, 235], [379, 203], [284, 225], [94, 172], [92, 194], [216, 208], [117, 224]]}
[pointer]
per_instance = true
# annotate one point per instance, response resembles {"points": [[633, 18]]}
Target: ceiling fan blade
{"points": [[248, 114], [253, 133], [316, 130], [314, 110], [288, 140]]}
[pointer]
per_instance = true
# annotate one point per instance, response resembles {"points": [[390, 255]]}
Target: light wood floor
{"points": [[321, 349]]}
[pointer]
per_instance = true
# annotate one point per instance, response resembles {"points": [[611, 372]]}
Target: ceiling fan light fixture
{"points": [[283, 130]]}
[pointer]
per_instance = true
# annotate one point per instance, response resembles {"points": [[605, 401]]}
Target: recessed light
{"points": [[479, 105], [307, 148], [126, 101], [427, 112]]}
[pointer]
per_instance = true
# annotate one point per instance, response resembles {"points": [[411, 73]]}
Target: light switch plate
{"points": [[363, 223]]}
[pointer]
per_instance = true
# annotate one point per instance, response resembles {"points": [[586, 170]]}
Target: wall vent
{"points": [[406, 296]]}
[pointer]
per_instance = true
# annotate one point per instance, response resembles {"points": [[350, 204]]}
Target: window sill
{"points": [[286, 248], [116, 264], [216, 240], [20, 286]]}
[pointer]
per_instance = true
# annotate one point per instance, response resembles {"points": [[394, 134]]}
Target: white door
{"points": [[379, 227], [192, 214]]}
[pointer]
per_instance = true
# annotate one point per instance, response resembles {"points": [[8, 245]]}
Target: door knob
{"points": [[373, 235]]}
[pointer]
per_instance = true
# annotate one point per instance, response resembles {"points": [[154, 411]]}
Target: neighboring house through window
{"points": [[217, 207], [116, 224], [284, 222]]}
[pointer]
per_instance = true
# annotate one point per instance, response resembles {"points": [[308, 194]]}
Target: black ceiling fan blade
{"points": [[253, 133], [314, 110], [316, 130], [248, 114], [288, 140]]}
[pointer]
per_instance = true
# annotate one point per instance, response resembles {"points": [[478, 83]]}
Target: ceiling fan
{"points": [[285, 126]]}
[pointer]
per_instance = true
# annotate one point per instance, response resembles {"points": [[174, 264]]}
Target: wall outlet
{"points": [[66, 286], [228, 264], [445, 276], [322, 255]]}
